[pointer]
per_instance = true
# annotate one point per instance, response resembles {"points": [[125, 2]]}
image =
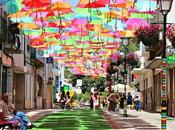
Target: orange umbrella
{"points": [[28, 26], [18, 15], [60, 5], [121, 4]]}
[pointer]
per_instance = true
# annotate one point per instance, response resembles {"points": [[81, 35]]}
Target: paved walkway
{"points": [[36, 114], [137, 120]]}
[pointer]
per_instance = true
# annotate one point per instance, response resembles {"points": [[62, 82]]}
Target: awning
{"points": [[137, 71], [140, 71], [155, 63]]}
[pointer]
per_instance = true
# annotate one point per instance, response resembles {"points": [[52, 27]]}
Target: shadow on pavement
{"points": [[117, 121]]}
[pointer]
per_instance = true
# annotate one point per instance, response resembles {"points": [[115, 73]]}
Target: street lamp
{"points": [[165, 7], [125, 41]]}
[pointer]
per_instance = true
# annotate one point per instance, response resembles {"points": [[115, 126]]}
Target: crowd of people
{"points": [[114, 101], [118, 101]]}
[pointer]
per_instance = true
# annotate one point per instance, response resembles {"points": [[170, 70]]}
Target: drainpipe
{"points": [[35, 78]]}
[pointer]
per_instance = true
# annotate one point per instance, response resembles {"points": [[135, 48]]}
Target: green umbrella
{"points": [[141, 15], [12, 6]]}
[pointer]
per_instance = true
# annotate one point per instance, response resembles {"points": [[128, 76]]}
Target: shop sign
{"points": [[79, 82], [49, 60], [171, 58], [6, 60]]}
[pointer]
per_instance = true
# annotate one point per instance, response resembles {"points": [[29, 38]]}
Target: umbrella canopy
{"points": [[84, 29]]}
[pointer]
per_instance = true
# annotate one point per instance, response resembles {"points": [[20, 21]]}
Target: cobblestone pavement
{"points": [[136, 120]]}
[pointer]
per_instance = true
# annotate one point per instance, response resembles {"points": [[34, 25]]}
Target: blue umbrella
{"points": [[148, 5], [73, 3], [26, 19]]}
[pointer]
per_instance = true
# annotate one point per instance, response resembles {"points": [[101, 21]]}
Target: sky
{"points": [[171, 18]]}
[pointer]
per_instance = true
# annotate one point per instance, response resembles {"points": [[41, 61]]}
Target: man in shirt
{"points": [[11, 113]]}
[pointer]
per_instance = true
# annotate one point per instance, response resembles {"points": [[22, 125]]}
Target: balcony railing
{"points": [[12, 46]]}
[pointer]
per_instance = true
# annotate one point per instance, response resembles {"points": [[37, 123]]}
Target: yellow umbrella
{"points": [[127, 33]]}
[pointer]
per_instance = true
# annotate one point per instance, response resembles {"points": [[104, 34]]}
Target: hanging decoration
{"points": [[79, 32]]}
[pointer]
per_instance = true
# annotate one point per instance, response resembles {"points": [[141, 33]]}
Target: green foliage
{"points": [[104, 94], [85, 96], [132, 47], [87, 81], [72, 78]]}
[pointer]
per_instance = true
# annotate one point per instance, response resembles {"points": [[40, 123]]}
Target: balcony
{"points": [[12, 46], [34, 60]]}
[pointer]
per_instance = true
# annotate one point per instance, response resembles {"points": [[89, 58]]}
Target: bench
{"points": [[10, 124], [6, 123]]}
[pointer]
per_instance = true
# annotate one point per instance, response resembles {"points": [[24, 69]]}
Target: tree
{"points": [[87, 81]]}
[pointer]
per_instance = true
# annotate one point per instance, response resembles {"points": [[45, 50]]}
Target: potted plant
{"points": [[149, 35], [115, 59], [170, 32], [132, 59], [111, 69]]}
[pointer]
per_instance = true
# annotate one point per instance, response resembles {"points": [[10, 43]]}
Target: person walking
{"points": [[112, 101], [137, 103], [91, 101], [129, 100]]}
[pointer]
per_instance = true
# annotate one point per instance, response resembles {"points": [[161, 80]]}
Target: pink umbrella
{"points": [[135, 23], [76, 22]]}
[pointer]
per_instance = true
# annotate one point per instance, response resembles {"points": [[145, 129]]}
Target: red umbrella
{"points": [[90, 27], [97, 4], [36, 3], [36, 42]]}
